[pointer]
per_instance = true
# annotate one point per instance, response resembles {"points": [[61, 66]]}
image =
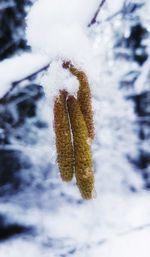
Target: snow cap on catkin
{"points": [[82, 150], [63, 138], [57, 79]]}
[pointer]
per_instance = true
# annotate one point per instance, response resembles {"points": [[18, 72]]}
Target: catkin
{"points": [[84, 97], [63, 137], [82, 151]]}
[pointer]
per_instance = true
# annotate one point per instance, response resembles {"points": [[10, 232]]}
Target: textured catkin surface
{"points": [[63, 138], [84, 98], [82, 149]]}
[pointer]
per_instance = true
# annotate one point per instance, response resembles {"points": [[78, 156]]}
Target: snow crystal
{"points": [[59, 28]]}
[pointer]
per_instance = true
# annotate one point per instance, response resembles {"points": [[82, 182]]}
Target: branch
{"points": [[93, 21], [17, 82]]}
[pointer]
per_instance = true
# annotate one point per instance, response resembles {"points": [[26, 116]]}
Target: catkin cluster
{"points": [[73, 123]]}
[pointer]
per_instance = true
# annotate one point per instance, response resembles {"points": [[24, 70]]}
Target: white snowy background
{"points": [[117, 221]]}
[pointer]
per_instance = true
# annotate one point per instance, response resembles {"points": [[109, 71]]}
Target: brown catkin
{"points": [[84, 97], [82, 149], [63, 137]]}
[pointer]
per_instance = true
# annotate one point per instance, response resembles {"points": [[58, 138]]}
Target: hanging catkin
{"points": [[82, 150], [84, 97], [63, 137]]}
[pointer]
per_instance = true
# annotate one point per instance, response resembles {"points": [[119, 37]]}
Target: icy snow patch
{"points": [[59, 28], [50, 12], [57, 78]]}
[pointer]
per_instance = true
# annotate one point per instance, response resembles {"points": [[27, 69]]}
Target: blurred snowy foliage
{"points": [[38, 213]]}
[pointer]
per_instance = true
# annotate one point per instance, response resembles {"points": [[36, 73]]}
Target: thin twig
{"points": [[93, 21], [124, 233]]}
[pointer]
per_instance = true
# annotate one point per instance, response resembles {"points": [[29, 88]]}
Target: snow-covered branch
{"points": [[76, 32], [18, 69]]}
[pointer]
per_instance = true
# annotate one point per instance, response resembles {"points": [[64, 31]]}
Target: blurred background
{"points": [[40, 215]]}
